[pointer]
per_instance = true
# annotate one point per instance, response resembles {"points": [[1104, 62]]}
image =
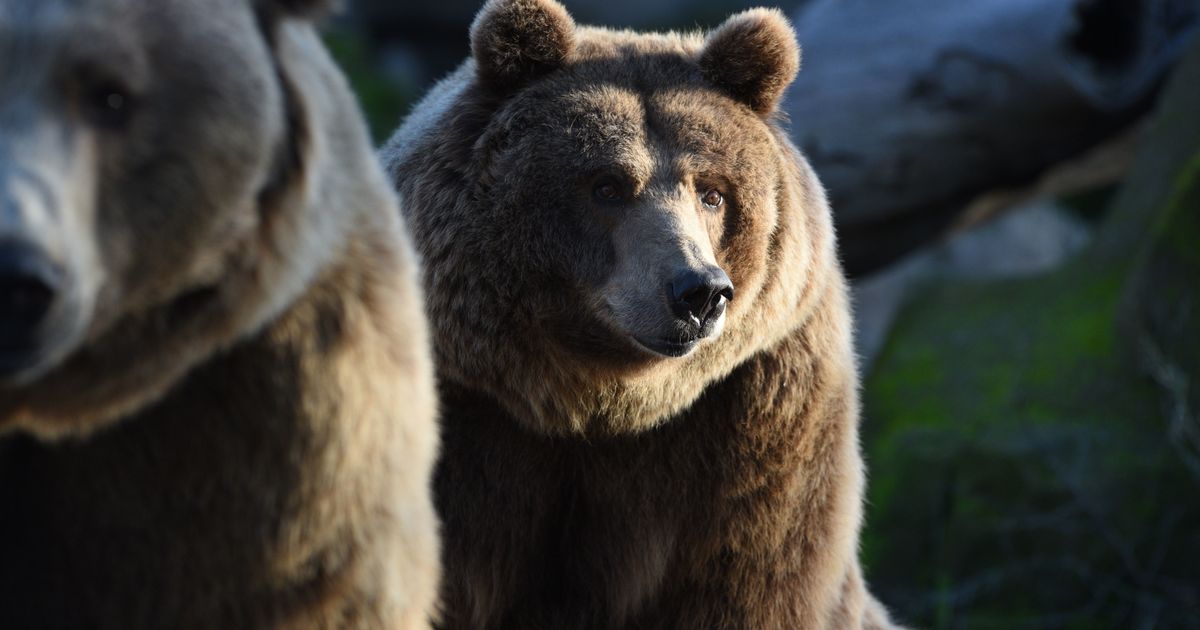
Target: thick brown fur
{"points": [[517, 40], [586, 482], [754, 57], [242, 435]]}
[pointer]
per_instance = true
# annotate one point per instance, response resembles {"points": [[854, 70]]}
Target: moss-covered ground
{"points": [[1029, 439]]}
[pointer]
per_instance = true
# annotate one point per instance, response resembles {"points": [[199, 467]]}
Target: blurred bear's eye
{"points": [[713, 198], [106, 104], [607, 191]]}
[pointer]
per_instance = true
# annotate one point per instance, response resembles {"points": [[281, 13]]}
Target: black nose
{"points": [[28, 287], [700, 295]]}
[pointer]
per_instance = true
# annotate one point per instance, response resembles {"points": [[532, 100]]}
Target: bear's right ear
{"points": [[516, 41]]}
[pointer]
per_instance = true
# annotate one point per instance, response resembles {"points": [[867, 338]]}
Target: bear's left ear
{"points": [[753, 57]]}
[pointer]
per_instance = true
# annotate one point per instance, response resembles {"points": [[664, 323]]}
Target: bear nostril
{"points": [[27, 293], [700, 295], [24, 299]]}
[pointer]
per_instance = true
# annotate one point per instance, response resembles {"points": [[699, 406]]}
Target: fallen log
{"points": [[910, 109]]}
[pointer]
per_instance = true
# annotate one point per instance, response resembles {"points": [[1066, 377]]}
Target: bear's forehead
{"points": [[20, 15], [24, 21], [624, 87], [621, 113], [643, 131], [35, 32], [122, 36]]}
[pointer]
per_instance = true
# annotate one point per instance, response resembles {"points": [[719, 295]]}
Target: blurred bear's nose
{"points": [[28, 287], [700, 295]]}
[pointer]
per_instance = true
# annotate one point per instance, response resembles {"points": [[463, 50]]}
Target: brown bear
{"points": [[216, 392], [641, 333]]}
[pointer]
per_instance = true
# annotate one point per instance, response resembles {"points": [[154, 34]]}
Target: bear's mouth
{"points": [[671, 348]]}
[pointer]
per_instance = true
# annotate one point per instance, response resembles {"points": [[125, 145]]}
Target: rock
{"points": [[1034, 441]]}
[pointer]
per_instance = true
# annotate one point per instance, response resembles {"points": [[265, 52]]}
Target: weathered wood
{"points": [[910, 109]]}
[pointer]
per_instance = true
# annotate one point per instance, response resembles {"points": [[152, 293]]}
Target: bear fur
{"points": [[589, 479], [227, 419]]}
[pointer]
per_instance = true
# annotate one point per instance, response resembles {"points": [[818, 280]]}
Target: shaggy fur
{"points": [[754, 57], [515, 41], [586, 482], [242, 434]]}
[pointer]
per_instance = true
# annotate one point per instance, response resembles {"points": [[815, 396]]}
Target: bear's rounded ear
{"points": [[753, 57], [515, 41]]}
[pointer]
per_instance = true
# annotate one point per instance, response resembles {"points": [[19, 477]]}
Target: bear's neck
{"points": [[765, 462], [237, 489]]}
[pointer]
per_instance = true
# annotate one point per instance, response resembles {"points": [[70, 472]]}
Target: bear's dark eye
{"points": [[608, 191], [106, 104], [713, 198]]}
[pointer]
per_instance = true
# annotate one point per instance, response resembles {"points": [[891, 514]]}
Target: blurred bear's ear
{"points": [[753, 57], [516, 41]]}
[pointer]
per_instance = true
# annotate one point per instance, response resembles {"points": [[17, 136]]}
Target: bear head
{"points": [[155, 203], [610, 221]]}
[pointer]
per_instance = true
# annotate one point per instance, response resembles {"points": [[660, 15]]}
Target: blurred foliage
{"points": [[384, 100]]}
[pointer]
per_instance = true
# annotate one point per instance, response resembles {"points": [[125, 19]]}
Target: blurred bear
{"points": [[215, 385]]}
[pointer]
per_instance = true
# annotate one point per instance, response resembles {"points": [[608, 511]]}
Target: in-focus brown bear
{"points": [[641, 332], [216, 393]]}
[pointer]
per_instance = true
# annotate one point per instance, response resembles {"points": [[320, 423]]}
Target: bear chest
{"points": [[551, 534]]}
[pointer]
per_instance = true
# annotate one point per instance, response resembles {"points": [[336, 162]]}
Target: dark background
{"points": [[1017, 190]]}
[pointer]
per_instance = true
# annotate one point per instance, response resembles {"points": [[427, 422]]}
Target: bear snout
{"points": [[699, 297], [30, 284]]}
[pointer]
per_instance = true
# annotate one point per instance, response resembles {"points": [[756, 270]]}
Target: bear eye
{"points": [[713, 198], [106, 104], [608, 191]]}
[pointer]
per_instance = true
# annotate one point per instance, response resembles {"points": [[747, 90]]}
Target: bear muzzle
{"points": [[48, 277], [30, 284], [697, 299]]}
